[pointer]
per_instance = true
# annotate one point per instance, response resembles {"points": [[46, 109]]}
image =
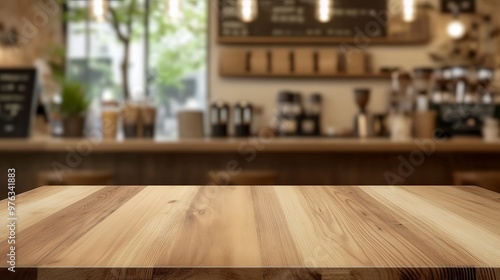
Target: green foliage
{"points": [[99, 71], [178, 48], [74, 102], [56, 56]]}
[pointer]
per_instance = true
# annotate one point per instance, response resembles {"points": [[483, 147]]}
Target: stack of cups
{"points": [[148, 120], [139, 120]]}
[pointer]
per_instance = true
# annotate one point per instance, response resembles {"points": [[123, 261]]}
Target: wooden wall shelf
{"points": [[324, 41], [338, 76]]}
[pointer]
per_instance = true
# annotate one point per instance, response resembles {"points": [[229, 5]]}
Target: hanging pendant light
{"points": [[98, 9], [324, 10], [174, 10], [456, 28], [409, 10], [247, 10]]}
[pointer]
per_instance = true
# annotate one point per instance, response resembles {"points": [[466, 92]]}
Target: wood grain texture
{"points": [[257, 233]]}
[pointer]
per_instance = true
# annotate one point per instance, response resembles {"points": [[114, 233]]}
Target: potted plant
{"points": [[74, 104]]}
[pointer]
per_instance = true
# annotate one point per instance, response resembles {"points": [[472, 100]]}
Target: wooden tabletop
{"points": [[313, 230]]}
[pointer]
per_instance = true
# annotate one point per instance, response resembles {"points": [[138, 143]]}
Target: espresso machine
{"points": [[467, 100]]}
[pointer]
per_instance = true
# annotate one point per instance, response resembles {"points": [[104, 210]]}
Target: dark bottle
{"points": [[219, 120], [243, 118]]}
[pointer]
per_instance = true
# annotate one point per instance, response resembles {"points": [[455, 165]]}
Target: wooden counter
{"points": [[296, 161], [257, 232], [264, 145]]}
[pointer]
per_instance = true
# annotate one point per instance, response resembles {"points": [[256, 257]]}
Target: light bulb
{"points": [[324, 10], [408, 10], [99, 9], [247, 10], [456, 29], [174, 9]]}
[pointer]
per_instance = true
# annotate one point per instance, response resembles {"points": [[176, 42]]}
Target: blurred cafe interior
{"points": [[250, 92]]}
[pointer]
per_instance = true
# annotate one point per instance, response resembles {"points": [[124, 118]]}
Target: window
{"points": [[177, 56]]}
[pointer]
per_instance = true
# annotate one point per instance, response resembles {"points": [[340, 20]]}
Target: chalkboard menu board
{"points": [[297, 19], [17, 102]]}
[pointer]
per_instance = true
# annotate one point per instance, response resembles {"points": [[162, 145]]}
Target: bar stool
{"points": [[485, 179], [76, 177], [243, 178]]}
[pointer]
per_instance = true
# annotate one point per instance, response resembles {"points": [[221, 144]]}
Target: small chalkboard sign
{"points": [[17, 102], [296, 19]]}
